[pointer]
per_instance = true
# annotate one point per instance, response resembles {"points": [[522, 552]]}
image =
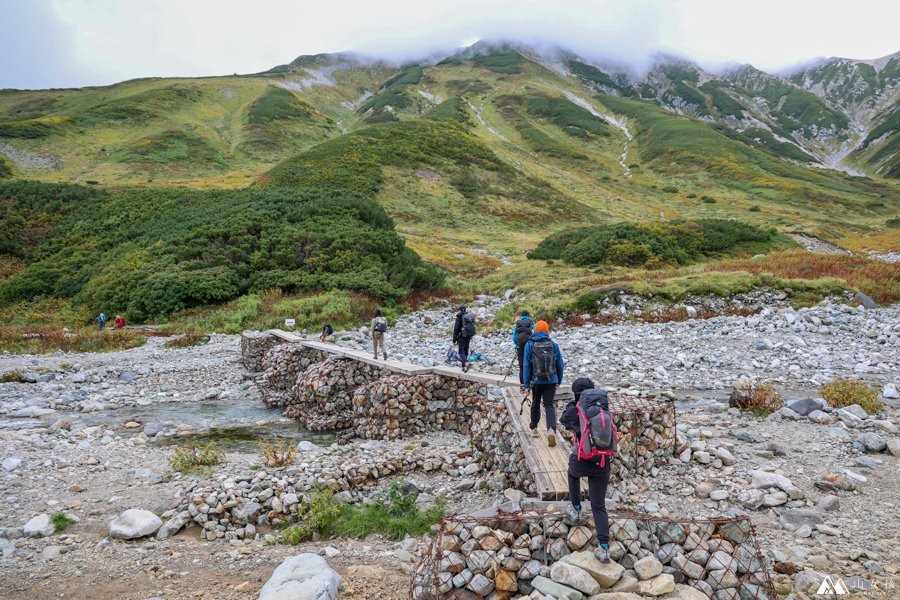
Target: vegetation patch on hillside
{"points": [[170, 147], [392, 92], [278, 104], [507, 62], [651, 245]]}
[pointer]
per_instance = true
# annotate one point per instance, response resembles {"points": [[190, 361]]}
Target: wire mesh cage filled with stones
{"points": [[537, 553], [646, 430]]}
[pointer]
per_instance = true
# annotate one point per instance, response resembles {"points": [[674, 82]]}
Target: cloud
{"points": [[85, 42]]}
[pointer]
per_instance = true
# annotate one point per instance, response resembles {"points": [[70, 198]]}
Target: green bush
{"points": [[845, 392], [14, 376], [193, 458], [648, 244], [278, 104], [60, 522], [501, 61]]}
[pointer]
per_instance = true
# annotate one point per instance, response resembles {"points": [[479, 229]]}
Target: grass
{"points": [[193, 458], [759, 399], [60, 522], [841, 393], [280, 452], [14, 376], [188, 340], [24, 339], [392, 514]]}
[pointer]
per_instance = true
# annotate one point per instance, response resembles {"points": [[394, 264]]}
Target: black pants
{"points": [[598, 480], [520, 353], [543, 393], [463, 350]]}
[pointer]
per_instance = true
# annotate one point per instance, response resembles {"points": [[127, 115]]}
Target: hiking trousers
{"points": [[598, 480], [378, 340], [463, 350], [543, 393], [520, 353]]}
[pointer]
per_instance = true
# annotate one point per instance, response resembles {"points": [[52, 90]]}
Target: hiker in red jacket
{"points": [[119, 322]]}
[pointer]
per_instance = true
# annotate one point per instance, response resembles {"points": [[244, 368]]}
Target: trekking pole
{"points": [[509, 369], [522, 405]]}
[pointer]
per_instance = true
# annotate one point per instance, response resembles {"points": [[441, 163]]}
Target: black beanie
{"points": [[524, 313], [581, 384]]}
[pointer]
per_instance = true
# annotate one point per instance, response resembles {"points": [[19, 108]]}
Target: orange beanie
{"points": [[542, 327]]}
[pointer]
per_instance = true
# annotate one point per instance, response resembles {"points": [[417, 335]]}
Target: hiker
{"points": [[377, 330], [101, 321], [463, 332], [521, 333], [542, 374], [588, 402], [119, 322], [327, 330]]}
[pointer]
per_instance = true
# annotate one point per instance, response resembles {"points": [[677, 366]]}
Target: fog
{"points": [[56, 43]]}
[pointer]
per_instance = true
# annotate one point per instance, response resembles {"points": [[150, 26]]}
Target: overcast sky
{"points": [[66, 43]]}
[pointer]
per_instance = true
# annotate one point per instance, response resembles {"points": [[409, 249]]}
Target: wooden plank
{"points": [[532, 457]]}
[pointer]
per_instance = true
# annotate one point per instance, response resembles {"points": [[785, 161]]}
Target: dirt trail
{"points": [[817, 245]]}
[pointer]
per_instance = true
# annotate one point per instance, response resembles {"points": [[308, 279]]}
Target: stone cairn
{"points": [[322, 396], [400, 406], [537, 554], [284, 363]]}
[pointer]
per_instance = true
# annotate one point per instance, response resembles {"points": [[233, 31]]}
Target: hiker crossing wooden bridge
{"points": [[548, 464]]}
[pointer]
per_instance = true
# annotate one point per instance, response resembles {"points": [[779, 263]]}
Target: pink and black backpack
{"points": [[597, 437]]}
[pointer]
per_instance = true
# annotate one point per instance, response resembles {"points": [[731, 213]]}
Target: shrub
{"points": [[670, 189], [13, 376], [707, 199], [315, 515], [60, 522], [754, 208], [759, 399], [280, 452], [845, 392], [193, 457]]}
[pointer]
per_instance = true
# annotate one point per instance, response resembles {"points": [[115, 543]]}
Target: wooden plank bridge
{"points": [[548, 464]]}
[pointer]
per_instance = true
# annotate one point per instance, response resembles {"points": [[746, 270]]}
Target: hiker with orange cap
{"points": [[542, 374]]}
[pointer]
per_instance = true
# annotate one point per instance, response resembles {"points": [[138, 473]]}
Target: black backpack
{"points": [[380, 324], [329, 329], [523, 331], [543, 366], [468, 325]]}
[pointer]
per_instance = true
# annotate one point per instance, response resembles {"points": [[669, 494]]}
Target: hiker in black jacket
{"points": [[461, 338], [597, 476]]}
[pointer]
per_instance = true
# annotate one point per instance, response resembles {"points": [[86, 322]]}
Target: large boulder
{"points": [[658, 586], [806, 405], [764, 479], [39, 526], [647, 567], [302, 577], [604, 574], [548, 587], [574, 577], [173, 525], [134, 523]]}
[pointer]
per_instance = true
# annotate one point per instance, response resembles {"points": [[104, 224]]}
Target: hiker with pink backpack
{"points": [[588, 417]]}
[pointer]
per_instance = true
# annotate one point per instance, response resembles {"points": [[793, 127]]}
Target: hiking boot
{"points": [[534, 433], [573, 516], [602, 554], [465, 368], [551, 438], [385, 355]]}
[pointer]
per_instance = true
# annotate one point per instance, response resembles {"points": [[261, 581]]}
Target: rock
{"points": [[127, 376], [686, 592], [11, 464], [305, 446], [659, 585], [805, 581], [570, 575], [704, 458], [51, 552], [343, 497], [893, 446], [857, 411], [481, 585], [173, 525], [764, 479], [302, 577], [704, 489], [134, 523], [39, 526], [833, 482], [626, 584], [151, 429], [725, 456], [605, 574], [828, 502], [795, 518], [807, 405], [751, 499], [864, 300], [890, 391], [647, 568], [245, 512], [872, 441], [719, 495], [822, 418], [688, 567], [548, 587]]}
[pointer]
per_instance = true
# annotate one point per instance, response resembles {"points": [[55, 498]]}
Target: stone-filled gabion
{"points": [[233, 507], [322, 396], [284, 364], [515, 553], [646, 428], [254, 345], [497, 445], [400, 405]]}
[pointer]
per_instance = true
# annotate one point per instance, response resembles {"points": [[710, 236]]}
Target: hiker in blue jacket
{"points": [[520, 335], [542, 374]]}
